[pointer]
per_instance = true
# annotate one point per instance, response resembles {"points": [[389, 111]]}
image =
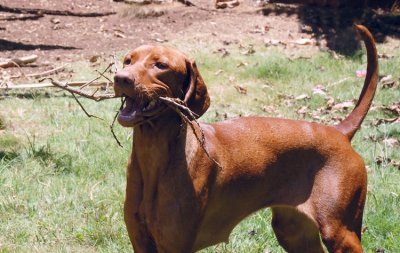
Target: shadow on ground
{"points": [[335, 24], [6, 45]]}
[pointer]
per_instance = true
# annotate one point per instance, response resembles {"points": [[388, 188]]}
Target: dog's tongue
{"points": [[136, 111], [130, 110]]}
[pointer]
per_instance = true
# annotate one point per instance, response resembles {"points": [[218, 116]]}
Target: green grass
{"points": [[62, 175]]}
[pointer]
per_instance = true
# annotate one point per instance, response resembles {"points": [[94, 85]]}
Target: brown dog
{"points": [[183, 194]]}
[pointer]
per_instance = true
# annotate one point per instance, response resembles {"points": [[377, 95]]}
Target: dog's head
{"points": [[150, 72]]}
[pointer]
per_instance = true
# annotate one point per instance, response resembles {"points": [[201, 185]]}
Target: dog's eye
{"points": [[127, 61], [161, 65]]}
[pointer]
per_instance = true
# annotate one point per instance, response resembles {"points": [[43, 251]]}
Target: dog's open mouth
{"points": [[135, 113]]}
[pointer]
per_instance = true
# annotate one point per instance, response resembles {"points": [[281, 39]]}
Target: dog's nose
{"points": [[123, 79]]}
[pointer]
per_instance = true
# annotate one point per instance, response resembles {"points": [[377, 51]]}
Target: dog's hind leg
{"points": [[295, 231], [339, 208], [341, 240], [342, 233]]}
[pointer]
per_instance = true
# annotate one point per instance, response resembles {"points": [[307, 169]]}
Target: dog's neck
{"points": [[165, 127], [153, 145]]}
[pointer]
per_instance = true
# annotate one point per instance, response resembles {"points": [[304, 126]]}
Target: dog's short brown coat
{"points": [[180, 200]]}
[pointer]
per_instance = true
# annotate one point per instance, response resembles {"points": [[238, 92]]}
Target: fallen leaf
{"points": [[218, 72], [304, 41], [319, 89], [391, 142], [391, 84], [241, 64], [330, 102], [272, 42], [316, 115], [336, 119], [252, 232], [302, 111], [361, 73], [119, 34], [394, 108], [386, 78], [344, 105], [161, 40], [57, 27], [395, 163], [385, 56], [285, 96], [250, 50], [380, 160], [371, 137], [222, 4], [226, 42], [224, 115], [241, 89], [223, 51], [55, 20], [94, 58], [335, 55], [301, 57], [388, 82], [302, 97], [270, 109]]}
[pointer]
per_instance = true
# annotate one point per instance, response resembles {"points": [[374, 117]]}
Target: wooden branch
{"points": [[82, 93], [18, 61], [180, 104], [53, 12], [42, 74], [123, 100], [116, 63]]}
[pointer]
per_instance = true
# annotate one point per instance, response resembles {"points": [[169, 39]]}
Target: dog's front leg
{"points": [[137, 228]]}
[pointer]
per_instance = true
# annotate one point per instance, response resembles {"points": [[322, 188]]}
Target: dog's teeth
{"points": [[152, 104], [149, 106]]}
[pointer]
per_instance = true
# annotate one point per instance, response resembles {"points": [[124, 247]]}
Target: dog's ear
{"points": [[196, 95]]}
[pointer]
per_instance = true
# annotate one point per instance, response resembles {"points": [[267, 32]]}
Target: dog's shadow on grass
{"points": [[335, 24]]}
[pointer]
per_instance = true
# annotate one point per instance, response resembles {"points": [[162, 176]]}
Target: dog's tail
{"points": [[352, 123]]}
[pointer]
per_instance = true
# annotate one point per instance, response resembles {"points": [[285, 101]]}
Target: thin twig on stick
{"points": [[123, 100], [116, 63], [82, 93], [105, 77], [83, 108], [179, 103]]}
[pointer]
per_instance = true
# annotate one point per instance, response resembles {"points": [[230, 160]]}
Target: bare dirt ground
{"points": [[57, 39]]}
